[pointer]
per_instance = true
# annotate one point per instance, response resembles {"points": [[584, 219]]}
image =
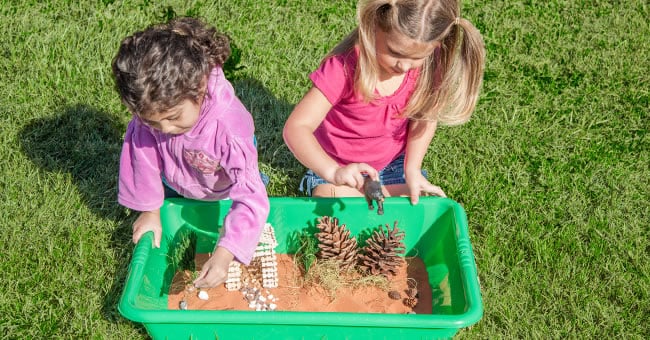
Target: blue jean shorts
{"points": [[393, 173]]}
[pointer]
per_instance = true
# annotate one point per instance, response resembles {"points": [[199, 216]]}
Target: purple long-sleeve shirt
{"points": [[215, 160]]}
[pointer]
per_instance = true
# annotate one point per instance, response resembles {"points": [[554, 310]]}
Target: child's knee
{"points": [[330, 190]]}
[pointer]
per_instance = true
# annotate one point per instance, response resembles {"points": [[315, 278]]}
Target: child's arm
{"points": [[244, 222], [215, 270], [298, 134], [419, 137], [140, 187], [148, 221]]}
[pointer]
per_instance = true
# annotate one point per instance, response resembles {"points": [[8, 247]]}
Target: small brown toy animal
{"points": [[372, 191]]}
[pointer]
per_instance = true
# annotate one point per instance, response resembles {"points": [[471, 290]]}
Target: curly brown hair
{"points": [[166, 64]]}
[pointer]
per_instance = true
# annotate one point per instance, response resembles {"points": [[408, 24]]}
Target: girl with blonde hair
{"points": [[378, 96]]}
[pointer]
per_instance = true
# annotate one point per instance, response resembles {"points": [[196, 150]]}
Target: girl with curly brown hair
{"points": [[189, 133]]}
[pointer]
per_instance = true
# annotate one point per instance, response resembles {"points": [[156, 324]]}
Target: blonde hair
{"points": [[450, 79]]}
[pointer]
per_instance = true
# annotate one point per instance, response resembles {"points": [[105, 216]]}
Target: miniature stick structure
{"points": [[263, 269]]}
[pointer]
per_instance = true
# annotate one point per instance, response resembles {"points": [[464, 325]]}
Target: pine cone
{"points": [[335, 242], [381, 254]]}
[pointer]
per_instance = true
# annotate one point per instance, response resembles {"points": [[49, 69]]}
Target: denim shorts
{"points": [[393, 173]]}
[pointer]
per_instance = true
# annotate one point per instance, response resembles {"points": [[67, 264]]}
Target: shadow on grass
{"points": [[86, 143], [269, 114]]}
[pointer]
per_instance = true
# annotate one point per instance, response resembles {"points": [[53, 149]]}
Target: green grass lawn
{"points": [[553, 169]]}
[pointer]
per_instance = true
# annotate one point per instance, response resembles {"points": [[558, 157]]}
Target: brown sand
{"points": [[291, 295]]}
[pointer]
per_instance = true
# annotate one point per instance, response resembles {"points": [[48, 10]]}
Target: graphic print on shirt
{"points": [[201, 162]]}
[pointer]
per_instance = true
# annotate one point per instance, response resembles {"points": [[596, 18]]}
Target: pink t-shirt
{"points": [[354, 131], [215, 160]]}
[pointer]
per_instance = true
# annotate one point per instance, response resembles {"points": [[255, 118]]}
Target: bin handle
{"points": [[135, 270]]}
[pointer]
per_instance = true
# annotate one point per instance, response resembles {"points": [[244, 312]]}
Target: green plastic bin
{"points": [[436, 231]]}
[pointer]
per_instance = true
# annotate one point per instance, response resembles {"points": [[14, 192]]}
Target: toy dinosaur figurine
{"points": [[372, 191]]}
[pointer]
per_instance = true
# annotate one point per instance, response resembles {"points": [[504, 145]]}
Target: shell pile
{"points": [[411, 299], [258, 301]]}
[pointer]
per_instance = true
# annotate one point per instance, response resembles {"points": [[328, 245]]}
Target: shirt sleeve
{"points": [[333, 78], [140, 185], [244, 223]]}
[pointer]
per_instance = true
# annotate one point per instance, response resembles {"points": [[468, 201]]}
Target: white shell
{"points": [[203, 295]]}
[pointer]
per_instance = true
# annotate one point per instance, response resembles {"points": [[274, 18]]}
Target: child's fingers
{"points": [[209, 279], [358, 180], [139, 231], [415, 197], [157, 235], [426, 188], [137, 234], [436, 190], [200, 281], [368, 170]]}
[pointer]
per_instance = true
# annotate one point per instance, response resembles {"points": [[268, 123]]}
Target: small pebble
{"points": [[203, 295], [183, 305]]}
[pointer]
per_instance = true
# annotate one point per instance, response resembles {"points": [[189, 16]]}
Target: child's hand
{"points": [[352, 175], [215, 270], [418, 183], [148, 221]]}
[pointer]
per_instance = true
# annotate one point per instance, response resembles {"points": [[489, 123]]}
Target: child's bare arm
{"points": [[298, 134], [148, 221], [419, 138], [299, 130]]}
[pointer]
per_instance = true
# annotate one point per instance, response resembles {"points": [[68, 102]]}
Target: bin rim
{"points": [[469, 276]]}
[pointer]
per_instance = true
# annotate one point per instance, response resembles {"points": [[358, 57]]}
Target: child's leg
{"points": [[392, 178], [310, 182], [315, 186], [394, 190], [331, 190], [169, 191]]}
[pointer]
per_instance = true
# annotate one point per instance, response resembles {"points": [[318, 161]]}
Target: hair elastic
{"points": [[457, 21]]}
